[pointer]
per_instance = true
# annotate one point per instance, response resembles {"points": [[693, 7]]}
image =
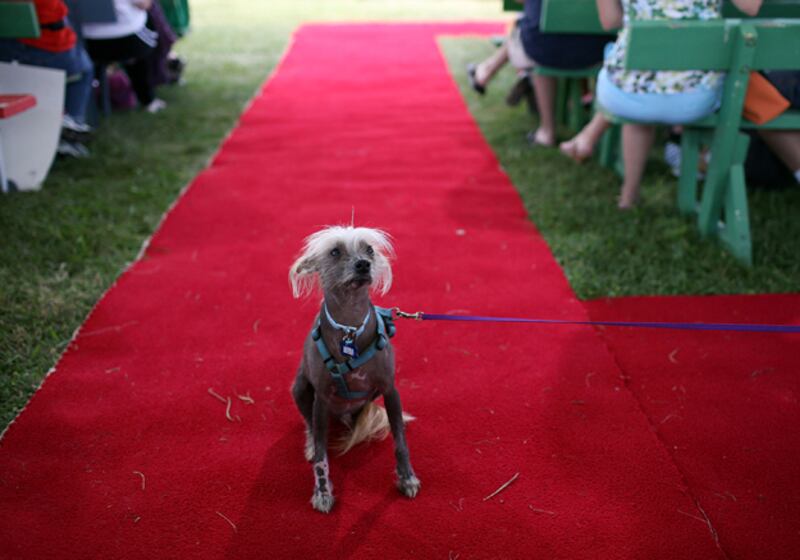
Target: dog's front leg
{"points": [[407, 482], [322, 500]]}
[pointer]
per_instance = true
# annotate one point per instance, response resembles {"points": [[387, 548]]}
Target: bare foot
{"points": [[627, 201], [577, 149]]}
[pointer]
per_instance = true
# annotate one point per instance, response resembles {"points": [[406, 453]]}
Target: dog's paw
{"points": [[322, 501], [409, 486]]}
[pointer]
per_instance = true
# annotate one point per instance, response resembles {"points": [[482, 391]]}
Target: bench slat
{"points": [[11, 104], [18, 20], [580, 16], [789, 120], [708, 45], [571, 16]]}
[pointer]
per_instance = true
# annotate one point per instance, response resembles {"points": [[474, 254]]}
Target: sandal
{"points": [[473, 82]]}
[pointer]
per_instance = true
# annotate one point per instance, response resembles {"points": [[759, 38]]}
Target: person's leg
{"points": [[79, 84], [581, 146], [139, 72], [134, 53], [545, 87], [786, 145], [157, 21], [487, 69], [637, 139]]}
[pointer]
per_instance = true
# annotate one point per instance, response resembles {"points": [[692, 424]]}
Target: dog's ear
{"points": [[383, 274], [302, 275], [384, 253]]}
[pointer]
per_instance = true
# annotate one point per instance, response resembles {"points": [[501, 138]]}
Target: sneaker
{"points": [[75, 131], [672, 155], [156, 105], [175, 68], [68, 148], [68, 123]]}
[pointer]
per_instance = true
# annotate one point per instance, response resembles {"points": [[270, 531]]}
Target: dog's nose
{"points": [[362, 266]]}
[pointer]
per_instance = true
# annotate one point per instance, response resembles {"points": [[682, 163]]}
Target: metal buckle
{"points": [[403, 315]]}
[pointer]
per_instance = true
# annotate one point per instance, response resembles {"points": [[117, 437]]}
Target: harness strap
{"points": [[338, 370]]}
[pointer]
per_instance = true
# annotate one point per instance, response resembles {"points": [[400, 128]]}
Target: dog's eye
{"points": [[370, 250], [335, 252]]}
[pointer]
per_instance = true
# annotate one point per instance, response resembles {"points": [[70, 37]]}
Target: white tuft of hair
{"points": [[372, 424], [303, 274]]}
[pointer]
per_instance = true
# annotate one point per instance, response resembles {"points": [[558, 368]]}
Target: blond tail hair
{"points": [[372, 424]]}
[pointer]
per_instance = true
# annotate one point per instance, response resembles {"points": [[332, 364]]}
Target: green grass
{"points": [[64, 246], [604, 252]]}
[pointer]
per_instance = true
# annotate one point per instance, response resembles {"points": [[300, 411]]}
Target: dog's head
{"points": [[343, 258]]}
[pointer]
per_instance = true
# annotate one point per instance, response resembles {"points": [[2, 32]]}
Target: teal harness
{"points": [[339, 370]]}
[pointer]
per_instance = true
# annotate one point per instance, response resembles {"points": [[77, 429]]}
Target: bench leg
{"points": [[735, 233], [717, 181], [103, 89], [687, 183], [713, 192], [727, 143], [576, 116], [3, 178], [562, 99], [610, 146]]}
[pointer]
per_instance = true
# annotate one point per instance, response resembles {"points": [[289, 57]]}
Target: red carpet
{"points": [[124, 453], [727, 406]]}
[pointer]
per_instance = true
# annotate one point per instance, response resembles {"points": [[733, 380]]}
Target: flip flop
{"points": [[473, 82], [534, 143]]}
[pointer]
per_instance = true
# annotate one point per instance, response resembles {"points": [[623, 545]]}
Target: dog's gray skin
{"points": [[345, 280]]}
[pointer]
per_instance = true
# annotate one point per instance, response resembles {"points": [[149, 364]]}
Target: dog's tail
{"points": [[372, 424]]}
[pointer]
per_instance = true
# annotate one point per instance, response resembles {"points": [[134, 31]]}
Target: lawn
{"points": [[64, 246], [605, 252]]}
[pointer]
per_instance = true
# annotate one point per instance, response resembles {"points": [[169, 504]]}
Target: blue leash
{"points": [[729, 327]]}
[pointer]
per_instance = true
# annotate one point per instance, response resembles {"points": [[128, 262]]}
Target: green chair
{"points": [[737, 47], [177, 13]]}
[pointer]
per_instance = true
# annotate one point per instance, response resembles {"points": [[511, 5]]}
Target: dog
{"points": [[347, 359]]}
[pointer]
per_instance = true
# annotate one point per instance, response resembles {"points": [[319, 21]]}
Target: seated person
{"points": [[565, 51], [650, 97], [528, 47], [511, 50], [168, 67], [781, 163], [57, 48], [132, 43]]}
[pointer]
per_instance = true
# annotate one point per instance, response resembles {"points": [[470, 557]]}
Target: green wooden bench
{"points": [[580, 16], [18, 20], [562, 17], [736, 46], [571, 16]]}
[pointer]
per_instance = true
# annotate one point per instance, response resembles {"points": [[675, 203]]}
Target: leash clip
{"points": [[403, 315]]}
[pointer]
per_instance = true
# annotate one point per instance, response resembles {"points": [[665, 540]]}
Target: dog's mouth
{"points": [[360, 281]]}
